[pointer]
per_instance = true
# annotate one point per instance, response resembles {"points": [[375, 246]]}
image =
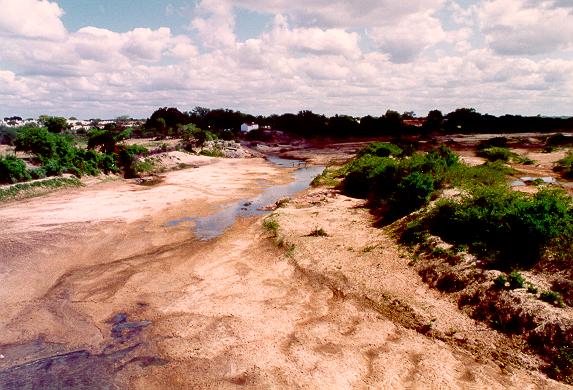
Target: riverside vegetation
{"points": [[481, 219]]}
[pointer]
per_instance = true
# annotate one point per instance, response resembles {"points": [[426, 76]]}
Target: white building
{"points": [[246, 127]]}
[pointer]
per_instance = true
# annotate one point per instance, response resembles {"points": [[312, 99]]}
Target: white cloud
{"points": [[406, 38], [329, 56], [216, 23], [521, 27], [31, 19]]}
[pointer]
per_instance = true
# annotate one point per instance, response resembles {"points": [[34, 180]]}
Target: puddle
{"points": [[79, 369], [212, 226]]}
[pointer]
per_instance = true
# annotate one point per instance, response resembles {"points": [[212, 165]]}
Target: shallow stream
{"points": [[212, 226]]}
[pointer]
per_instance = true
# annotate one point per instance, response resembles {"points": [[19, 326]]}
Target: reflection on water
{"points": [[212, 226]]}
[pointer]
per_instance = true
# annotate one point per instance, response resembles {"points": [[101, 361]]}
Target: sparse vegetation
{"points": [[552, 297], [318, 232], [26, 190], [271, 224], [565, 166]]}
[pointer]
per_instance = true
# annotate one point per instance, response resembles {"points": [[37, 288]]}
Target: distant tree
{"points": [[434, 121], [342, 125], [123, 118], [463, 120], [392, 122], [166, 120], [408, 115], [54, 124], [106, 140]]}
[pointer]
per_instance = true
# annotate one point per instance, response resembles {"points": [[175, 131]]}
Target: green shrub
{"points": [[12, 170], [497, 142], [271, 224], [413, 192], [558, 139], [38, 173], [359, 174], [488, 174], [212, 153], [53, 167], [496, 154], [565, 166], [500, 281], [516, 280], [506, 226], [380, 149], [552, 297], [401, 185]]}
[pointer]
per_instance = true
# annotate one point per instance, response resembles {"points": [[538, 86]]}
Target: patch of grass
{"points": [[212, 153], [271, 224], [380, 149], [318, 232], [516, 280], [368, 248], [552, 297], [522, 160], [565, 166], [328, 178], [290, 251], [531, 288], [562, 365], [145, 166], [501, 281], [26, 190], [496, 153]]}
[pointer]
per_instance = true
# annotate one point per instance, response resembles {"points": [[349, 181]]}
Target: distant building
{"points": [[416, 122], [246, 127]]}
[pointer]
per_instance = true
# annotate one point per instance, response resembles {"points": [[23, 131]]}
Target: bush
{"points": [[558, 139], [516, 280], [53, 167], [38, 173], [565, 166], [489, 174], [505, 226], [412, 192], [496, 153], [500, 281], [359, 174], [8, 135], [495, 142], [552, 297], [12, 170], [380, 149], [401, 185]]}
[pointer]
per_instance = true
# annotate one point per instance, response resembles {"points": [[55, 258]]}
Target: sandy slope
{"points": [[234, 311]]}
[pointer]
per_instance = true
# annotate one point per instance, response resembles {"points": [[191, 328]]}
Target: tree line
{"points": [[226, 123]]}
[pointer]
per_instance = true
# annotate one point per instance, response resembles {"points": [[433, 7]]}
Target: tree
{"points": [[434, 121], [54, 124]]}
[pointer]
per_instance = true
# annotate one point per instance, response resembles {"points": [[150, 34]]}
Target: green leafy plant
{"points": [[516, 280], [552, 297], [12, 170]]}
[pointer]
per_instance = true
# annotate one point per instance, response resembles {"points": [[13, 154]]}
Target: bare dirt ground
{"points": [[97, 291]]}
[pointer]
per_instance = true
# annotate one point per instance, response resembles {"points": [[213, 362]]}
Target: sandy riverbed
{"points": [[230, 312]]}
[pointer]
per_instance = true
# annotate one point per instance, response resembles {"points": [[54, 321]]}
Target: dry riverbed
{"points": [[97, 290]]}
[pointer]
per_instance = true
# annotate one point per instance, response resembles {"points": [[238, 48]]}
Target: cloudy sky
{"points": [[114, 57]]}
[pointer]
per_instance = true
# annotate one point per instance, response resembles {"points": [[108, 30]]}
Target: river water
{"points": [[212, 226]]}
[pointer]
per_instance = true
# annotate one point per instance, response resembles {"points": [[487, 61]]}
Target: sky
{"points": [[107, 58]]}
